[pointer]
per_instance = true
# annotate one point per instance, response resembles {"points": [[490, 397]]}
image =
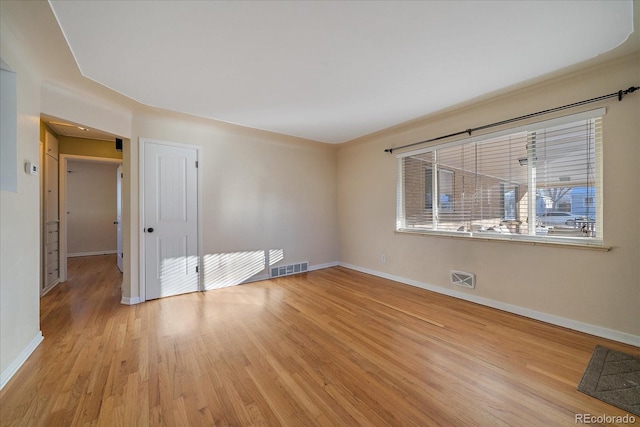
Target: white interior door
{"points": [[119, 255], [170, 220]]}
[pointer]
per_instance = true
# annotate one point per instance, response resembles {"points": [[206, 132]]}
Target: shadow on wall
{"points": [[234, 268]]}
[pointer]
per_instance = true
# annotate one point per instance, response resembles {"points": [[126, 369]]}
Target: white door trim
{"points": [[119, 237], [141, 237], [62, 177]]}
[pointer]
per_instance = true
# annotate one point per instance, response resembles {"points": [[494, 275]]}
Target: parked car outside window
{"points": [[560, 219]]}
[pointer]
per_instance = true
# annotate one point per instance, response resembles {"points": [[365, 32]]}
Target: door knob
{"points": [[150, 230]]}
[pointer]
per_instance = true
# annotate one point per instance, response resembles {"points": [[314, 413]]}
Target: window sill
{"points": [[496, 239]]}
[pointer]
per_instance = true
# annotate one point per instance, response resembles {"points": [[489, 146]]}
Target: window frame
{"points": [[428, 171], [597, 198]]}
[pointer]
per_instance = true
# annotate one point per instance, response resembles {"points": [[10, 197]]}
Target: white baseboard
{"points": [[49, 288], [130, 301], [321, 266], [13, 367], [260, 277], [256, 278], [77, 254], [598, 331]]}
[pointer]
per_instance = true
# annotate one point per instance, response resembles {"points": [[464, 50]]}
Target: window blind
{"points": [[537, 182]]}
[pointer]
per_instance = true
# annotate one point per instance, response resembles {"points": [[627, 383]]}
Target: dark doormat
{"points": [[613, 377]]}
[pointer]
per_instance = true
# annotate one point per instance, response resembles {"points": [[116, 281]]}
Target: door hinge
{"points": [[121, 175], [197, 268], [196, 163]]}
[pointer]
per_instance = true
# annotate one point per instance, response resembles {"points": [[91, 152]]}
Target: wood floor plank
{"points": [[332, 347]]}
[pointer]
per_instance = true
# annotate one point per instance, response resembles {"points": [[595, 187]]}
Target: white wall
{"points": [[91, 207], [86, 108], [589, 287], [260, 190], [32, 44], [20, 221]]}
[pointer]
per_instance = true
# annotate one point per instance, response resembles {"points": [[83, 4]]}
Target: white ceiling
{"points": [[330, 71]]}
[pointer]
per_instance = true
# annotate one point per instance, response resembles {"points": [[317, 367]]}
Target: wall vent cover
{"points": [[287, 270], [462, 278]]}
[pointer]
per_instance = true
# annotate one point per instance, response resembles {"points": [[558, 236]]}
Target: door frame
{"points": [[119, 233], [141, 235], [62, 177]]}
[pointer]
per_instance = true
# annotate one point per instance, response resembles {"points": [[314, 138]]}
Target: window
{"points": [[539, 182]]}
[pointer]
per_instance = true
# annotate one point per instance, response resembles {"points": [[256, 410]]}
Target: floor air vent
{"points": [[462, 278], [286, 270]]}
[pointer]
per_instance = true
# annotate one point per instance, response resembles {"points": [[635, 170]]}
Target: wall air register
{"points": [[287, 270], [464, 279]]}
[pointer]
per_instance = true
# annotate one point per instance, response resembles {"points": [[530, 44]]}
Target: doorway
{"points": [[88, 206]]}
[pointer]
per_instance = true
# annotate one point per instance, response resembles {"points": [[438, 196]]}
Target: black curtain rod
{"points": [[618, 94]]}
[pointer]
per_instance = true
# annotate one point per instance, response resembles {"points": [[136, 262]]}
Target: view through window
{"points": [[539, 182]]}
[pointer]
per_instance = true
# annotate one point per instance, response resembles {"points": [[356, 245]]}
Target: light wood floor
{"points": [[331, 347]]}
